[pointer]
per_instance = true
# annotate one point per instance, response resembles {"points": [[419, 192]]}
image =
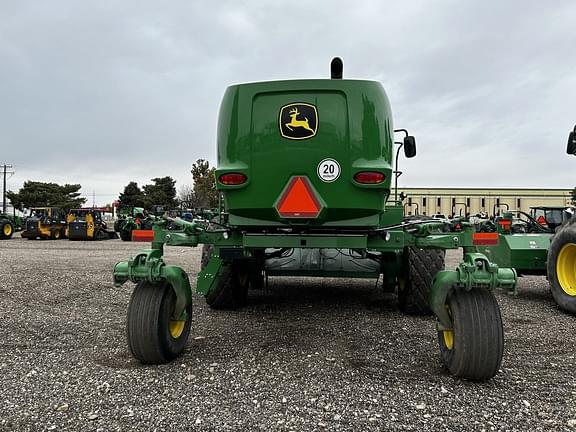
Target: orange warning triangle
{"points": [[299, 200]]}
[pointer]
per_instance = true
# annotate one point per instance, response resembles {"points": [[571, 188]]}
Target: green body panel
{"points": [[527, 253], [209, 276], [354, 128]]}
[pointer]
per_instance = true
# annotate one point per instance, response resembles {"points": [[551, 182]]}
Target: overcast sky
{"points": [[104, 92]]}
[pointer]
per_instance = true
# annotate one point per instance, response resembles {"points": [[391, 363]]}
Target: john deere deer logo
{"points": [[298, 121]]}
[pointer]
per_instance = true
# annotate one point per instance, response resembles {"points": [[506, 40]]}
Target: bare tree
{"points": [[187, 197]]}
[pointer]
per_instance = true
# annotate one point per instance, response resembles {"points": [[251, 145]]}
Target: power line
{"points": [[5, 167]]}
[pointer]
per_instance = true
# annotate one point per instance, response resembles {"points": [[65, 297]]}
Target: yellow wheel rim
{"points": [[566, 269], [448, 338], [7, 229], [176, 328]]}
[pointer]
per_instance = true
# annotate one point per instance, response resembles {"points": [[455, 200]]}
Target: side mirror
{"points": [[571, 149], [409, 146]]}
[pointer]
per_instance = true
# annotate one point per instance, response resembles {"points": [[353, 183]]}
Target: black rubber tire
{"points": [[421, 265], [3, 228], [562, 272], [256, 277], [55, 234], [232, 290], [100, 234], [148, 323], [478, 335], [126, 235]]}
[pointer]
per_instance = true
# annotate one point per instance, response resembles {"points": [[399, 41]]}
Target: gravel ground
{"points": [[306, 354]]}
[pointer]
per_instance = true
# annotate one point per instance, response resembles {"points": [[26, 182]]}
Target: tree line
{"points": [[162, 192]]}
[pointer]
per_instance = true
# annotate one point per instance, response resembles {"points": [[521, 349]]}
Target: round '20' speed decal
{"points": [[328, 170]]}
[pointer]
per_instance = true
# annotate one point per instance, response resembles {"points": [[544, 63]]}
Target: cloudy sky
{"points": [[104, 92]]}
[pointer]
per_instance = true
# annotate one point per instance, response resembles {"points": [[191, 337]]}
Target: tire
{"points": [[100, 234], [232, 289], [256, 277], [126, 235], [473, 349], [421, 265], [153, 338], [55, 234], [6, 230], [562, 267]]}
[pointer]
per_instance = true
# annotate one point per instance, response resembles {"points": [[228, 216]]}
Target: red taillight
{"points": [[369, 177], [233, 179]]}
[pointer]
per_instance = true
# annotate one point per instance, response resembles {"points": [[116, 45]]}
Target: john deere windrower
{"points": [[305, 170]]}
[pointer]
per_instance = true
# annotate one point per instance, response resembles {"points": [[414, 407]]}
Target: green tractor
{"points": [[9, 224], [305, 170], [562, 255], [132, 219]]}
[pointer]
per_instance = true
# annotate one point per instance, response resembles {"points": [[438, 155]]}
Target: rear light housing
{"points": [[369, 177], [485, 239], [232, 179]]}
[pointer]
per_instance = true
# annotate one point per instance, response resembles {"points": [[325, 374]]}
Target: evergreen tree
{"points": [[40, 194], [132, 196], [161, 193]]}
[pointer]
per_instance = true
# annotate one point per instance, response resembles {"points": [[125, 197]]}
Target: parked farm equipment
{"points": [[9, 223], [546, 246], [45, 223], [87, 224], [134, 220], [562, 255], [305, 170]]}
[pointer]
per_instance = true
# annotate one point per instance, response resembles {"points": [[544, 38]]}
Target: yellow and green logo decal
{"points": [[298, 121]]}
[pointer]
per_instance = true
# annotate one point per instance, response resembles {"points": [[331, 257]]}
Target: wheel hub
{"points": [[566, 269], [176, 328], [448, 336]]}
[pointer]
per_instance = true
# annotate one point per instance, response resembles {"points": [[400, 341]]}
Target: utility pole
{"points": [[5, 167]]}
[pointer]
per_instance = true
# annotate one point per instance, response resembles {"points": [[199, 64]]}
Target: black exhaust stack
{"points": [[336, 68]]}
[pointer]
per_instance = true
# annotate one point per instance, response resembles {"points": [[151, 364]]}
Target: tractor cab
{"points": [[551, 217]]}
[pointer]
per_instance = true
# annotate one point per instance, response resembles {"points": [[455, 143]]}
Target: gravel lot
{"points": [[307, 354]]}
